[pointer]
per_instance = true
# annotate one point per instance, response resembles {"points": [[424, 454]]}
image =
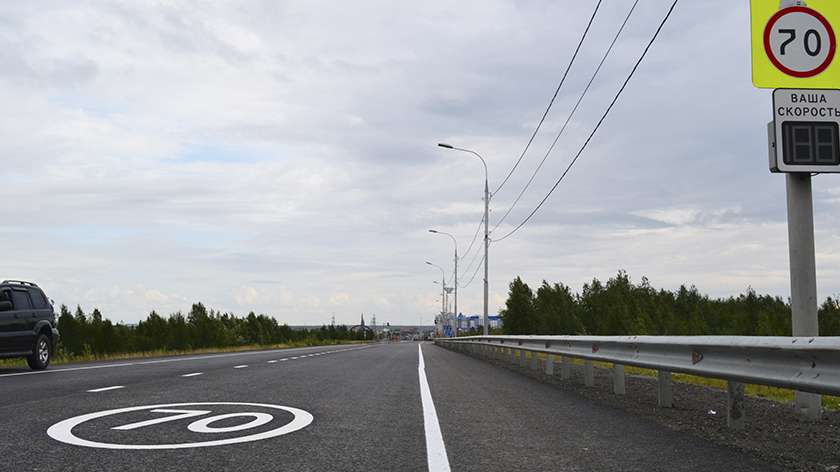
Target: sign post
{"points": [[793, 51]]}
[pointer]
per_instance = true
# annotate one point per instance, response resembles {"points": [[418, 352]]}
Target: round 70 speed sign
{"points": [[799, 41]]}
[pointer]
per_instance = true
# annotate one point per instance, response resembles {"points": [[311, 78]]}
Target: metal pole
{"points": [[486, 231], [456, 268], [486, 246], [803, 276], [443, 292]]}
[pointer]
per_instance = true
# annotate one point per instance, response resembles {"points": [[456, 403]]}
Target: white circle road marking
{"points": [[62, 431]]}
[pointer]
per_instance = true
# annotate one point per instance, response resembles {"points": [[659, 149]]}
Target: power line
{"points": [[569, 118], [552, 98], [474, 273], [473, 240], [644, 53], [471, 263]]}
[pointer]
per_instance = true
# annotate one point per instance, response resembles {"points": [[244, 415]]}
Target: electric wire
{"points": [[473, 240], [474, 273], [597, 126], [569, 118], [591, 19], [470, 266]]}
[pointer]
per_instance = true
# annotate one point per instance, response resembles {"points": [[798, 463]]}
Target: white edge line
{"points": [[435, 447]]}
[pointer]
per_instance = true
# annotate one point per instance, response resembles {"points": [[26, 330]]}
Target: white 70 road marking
{"points": [[63, 430]]}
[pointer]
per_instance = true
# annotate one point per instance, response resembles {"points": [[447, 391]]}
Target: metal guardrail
{"points": [[805, 364]]}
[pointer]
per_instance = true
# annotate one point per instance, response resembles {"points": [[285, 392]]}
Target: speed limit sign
{"points": [[794, 46], [799, 41]]}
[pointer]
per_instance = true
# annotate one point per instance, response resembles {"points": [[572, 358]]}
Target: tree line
{"points": [[620, 307], [92, 335]]}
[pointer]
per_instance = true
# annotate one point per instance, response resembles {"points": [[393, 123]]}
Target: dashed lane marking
{"points": [[105, 389]]}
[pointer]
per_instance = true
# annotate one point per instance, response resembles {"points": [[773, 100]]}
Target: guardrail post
{"points": [[512, 356], [735, 405], [589, 373], [535, 360], [618, 379], [566, 368], [549, 364], [523, 358], [665, 398]]}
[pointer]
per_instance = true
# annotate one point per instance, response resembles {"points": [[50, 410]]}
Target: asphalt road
{"points": [[333, 408]]}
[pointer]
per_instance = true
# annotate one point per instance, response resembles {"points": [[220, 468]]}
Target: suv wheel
{"points": [[40, 359]]}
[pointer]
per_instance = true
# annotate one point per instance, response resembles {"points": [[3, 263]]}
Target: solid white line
{"points": [[97, 390], [435, 447]]}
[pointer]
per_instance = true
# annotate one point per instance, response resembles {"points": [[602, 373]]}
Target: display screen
{"points": [[810, 143]]}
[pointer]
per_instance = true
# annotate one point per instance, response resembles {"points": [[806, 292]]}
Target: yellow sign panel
{"points": [[794, 43]]}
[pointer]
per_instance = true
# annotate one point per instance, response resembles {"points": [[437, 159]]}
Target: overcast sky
{"points": [[281, 156]]}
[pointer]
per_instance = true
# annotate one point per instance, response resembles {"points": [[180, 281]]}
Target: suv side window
{"points": [[6, 296], [21, 300], [38, 300]]}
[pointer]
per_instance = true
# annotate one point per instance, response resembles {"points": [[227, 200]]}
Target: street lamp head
{"points": [[444, 145], [432, 231]]}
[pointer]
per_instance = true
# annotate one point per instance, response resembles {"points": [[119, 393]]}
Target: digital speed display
{"points": [[804, 135], [810, 143]]}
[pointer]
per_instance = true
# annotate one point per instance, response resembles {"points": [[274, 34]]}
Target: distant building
{"points": [[477, 322]]}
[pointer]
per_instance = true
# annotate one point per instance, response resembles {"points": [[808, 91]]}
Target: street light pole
{"points": [[486, 232], [456, 268], [442, 290]]}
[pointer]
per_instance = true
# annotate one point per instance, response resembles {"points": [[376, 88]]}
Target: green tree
{"points": [[556, 310], [71, 331], [518, 316], [829, 317]]}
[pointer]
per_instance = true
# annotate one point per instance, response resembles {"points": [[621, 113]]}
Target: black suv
{"points": [[27, 323]]}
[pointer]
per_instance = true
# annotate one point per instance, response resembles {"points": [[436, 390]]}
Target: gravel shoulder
{"points": [[771, 433]]}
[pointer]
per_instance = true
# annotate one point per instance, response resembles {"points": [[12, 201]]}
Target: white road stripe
{"points": [[157, 361], [194, 374], [97, 390], [240, 366], [435, 447]]}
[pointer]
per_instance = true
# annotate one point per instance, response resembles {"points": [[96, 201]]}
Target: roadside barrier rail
{"points": [[804, 364]]}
